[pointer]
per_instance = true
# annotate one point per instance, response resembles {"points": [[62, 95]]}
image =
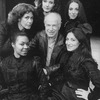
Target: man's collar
{"points": [[52, 38]]}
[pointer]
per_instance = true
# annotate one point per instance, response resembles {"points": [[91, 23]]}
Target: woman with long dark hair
{"points": [[79, 68], [74, 14]]}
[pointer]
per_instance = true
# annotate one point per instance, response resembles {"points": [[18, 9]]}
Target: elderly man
{"points": [[48, 44]]}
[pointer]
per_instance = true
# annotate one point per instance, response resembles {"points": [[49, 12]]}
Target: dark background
{"points": [[92, 9]]}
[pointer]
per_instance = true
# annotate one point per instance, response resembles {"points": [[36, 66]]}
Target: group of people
{"points": [[45, 54]]}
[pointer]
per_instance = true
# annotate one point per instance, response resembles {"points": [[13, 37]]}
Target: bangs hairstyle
{"points": [[16, 34], [18, 11], [81, 15]]}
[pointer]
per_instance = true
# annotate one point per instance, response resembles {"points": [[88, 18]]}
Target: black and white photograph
{"points": [[49, 50]]}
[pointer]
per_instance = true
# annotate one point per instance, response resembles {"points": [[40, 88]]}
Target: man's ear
{"points": [[59, 26], [19, 20]]}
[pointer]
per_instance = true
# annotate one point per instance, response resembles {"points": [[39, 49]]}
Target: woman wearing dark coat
{"points": [[23, 77], [79, 68], [20, 18]]}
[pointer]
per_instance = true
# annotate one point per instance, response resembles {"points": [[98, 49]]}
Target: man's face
{"points": [[52, 27]]}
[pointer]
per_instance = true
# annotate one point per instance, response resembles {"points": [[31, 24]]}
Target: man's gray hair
{"points": [[53, 15]]}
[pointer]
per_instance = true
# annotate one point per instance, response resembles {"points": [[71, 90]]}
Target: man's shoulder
{"points": [[60, 37], [41, 34]]}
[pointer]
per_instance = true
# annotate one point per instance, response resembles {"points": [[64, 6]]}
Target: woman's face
{"points": [[47, 5], [72, 42], [21, 46], [73, 10], [26, 21]]}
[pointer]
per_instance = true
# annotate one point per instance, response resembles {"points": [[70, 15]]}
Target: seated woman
{"points": [[23, 77], [79, 68]]}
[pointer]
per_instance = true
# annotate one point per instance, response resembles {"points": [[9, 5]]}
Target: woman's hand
{"points": [[81, 93]]}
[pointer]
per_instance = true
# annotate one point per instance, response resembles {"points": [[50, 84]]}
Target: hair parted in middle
{"points": [[81, 15]]}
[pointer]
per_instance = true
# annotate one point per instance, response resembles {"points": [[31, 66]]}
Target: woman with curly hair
{"points": [[20, 18]]}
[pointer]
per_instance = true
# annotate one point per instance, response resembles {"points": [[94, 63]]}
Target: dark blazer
{"points": [[40, 42]]}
